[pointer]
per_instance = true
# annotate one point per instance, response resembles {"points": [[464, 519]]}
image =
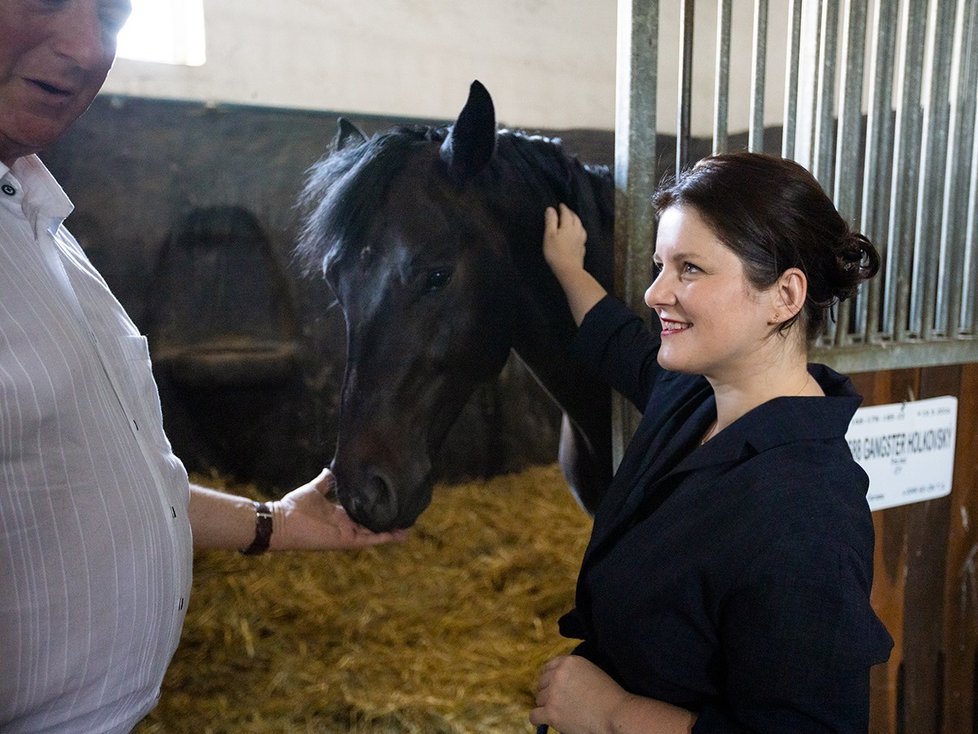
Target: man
{"points": [[95, 510]]}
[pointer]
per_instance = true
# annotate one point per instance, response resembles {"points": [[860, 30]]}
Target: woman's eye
{"points": [[438, 279], [655, 270], [690, 268]]}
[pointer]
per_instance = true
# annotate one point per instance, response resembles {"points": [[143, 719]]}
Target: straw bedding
{"points": [[442, 634]]}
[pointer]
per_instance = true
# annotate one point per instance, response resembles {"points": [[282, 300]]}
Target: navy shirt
{"points": [[731, 578]]}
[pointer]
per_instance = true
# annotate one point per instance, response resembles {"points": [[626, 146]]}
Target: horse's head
{"points": [[419, 264]]}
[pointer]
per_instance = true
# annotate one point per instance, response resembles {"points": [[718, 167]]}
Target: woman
{"points": [[726, 584]]}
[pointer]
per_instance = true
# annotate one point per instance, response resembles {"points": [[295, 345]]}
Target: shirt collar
{"points": [[785, 420], [43, 201]]}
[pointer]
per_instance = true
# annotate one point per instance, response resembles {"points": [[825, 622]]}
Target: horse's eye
{"points": [[438, 279]]}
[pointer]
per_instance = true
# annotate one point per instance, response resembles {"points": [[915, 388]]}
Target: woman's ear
{"points": [[789, 293]]}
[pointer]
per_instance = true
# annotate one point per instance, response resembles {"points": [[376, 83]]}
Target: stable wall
{"points": [[549, 63]]}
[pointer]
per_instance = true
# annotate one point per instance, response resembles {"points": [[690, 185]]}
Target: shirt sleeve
{"points": [[799, 639], [620, 348]]}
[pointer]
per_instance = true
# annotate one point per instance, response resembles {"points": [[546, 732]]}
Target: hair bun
{"points": [[857, 260]]}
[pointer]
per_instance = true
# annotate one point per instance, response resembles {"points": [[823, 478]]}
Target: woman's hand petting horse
{"points": [[564, 247]]}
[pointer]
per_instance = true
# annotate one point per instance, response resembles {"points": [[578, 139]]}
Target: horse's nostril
{"points": [[379, 502], [377, 490]]}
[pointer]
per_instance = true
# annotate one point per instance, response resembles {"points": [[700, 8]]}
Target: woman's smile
{"points": [[671, 327]]}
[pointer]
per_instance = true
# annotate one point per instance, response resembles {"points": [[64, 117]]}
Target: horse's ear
{"points": [[472, 139], [347, 135]]}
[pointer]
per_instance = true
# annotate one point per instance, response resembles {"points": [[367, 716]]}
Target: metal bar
{"points": [[848, 143], [969, 304], [905, 170], [809, 64], [969, 99], [791, 80], [879, 150], [930, 188], [849, 137], [683, 127], [956, 170], [822, 124], [903, 355], [755, 130], [824, 94], [955, 287], [635, 172], [721, 96]]}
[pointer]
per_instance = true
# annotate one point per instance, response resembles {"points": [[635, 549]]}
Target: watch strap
{"points": [[263, 531]]}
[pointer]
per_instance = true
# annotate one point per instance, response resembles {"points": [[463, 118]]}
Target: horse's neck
{"points": [[545, 327], [542, 337]]}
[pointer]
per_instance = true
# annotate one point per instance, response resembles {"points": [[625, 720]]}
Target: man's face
{"points": [[54, 56]]}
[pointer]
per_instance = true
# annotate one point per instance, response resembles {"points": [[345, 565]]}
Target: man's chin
{"points": [[26, 132]]}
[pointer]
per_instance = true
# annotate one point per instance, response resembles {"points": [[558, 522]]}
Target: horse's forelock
{"points": [[341, 190]]}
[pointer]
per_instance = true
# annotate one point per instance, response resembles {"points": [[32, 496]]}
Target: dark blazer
{"points": [[731, 578]]}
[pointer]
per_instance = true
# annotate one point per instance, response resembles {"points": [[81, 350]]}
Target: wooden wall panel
{"points": [[889, 578], [926, 585], [961, 594], [923, 620]]}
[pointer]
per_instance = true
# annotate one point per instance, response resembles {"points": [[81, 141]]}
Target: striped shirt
{"points": [[95, 545]]}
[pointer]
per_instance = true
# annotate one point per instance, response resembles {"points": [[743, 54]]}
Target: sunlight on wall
{"points": [[164, 31], [548, 63]]}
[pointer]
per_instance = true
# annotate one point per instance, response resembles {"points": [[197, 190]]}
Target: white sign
{"points": [[906, 448]]}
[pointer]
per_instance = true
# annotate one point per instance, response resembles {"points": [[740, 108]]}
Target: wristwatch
{"points": [[263, 531]]}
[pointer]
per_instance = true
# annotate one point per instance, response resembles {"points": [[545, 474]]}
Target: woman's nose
{"points": [[657, 294]]}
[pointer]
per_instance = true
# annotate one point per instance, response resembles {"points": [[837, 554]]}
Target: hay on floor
{"points": [[442, 634]]}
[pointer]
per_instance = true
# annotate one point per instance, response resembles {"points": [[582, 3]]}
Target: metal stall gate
{"points": [[878, 100]]}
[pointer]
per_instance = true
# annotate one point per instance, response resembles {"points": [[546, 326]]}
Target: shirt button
{"points": [[8, 189]]}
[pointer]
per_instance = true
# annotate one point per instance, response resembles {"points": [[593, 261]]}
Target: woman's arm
{"points": [[614, 341], [799, 638], [304, 519]]}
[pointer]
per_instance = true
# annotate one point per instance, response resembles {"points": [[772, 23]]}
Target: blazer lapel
{"points": [[666, 444]]}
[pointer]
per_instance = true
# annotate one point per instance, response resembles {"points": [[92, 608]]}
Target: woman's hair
{"points": [[774, 215]]}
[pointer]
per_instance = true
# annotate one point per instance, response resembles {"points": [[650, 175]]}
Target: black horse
{"points": [[431, 241]]}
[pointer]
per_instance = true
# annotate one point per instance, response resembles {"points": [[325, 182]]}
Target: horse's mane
{"points": [[551, 172], [336, 203]]}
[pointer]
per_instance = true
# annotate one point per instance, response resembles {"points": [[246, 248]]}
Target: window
{"points": [[164, 31]]}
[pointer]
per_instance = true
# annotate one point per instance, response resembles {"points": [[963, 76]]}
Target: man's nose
{"points": [[80, 35]]}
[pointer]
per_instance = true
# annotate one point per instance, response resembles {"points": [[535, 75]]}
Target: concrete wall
{"points": [[548, 63]]}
